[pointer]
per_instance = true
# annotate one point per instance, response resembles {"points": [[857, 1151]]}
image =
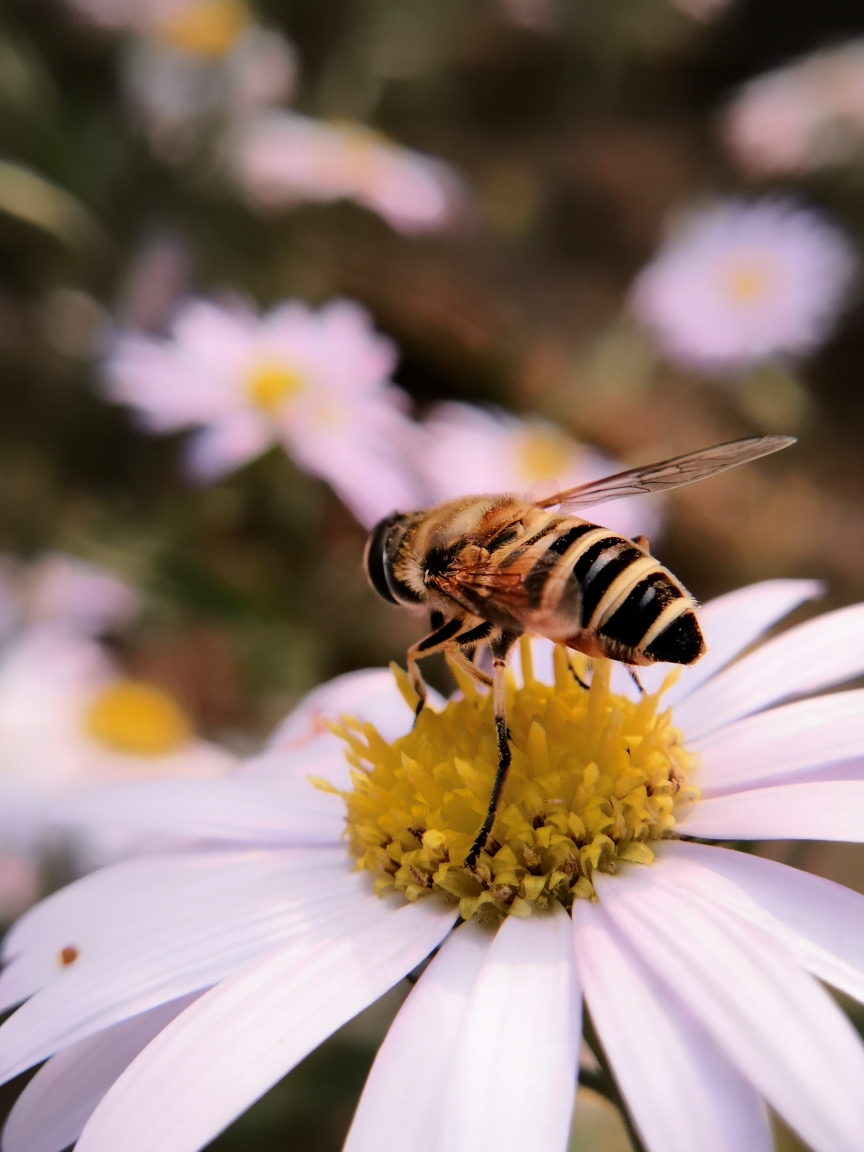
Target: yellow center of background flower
{"points": [[270, 385], [138, 718], [595, 778], [747, 283], [544, 454], [208, 28]]}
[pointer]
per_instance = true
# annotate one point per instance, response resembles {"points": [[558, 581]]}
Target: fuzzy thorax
{"points": [[595, 778]]}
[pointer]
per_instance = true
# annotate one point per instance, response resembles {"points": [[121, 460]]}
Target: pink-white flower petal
{"points": [[235, 439], [773, 1021], [400, 1108], [514, 1066], [820, 810], [682, 1091], [51, 1112], [236, 809], [153, 929], [225, 1051], [783, 742], [817, 654], [820, 922]]}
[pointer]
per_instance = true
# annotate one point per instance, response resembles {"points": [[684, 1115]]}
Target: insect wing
{"points": [[668, 474]]}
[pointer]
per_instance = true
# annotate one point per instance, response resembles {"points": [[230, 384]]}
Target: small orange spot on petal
{"points": [[68, 956]]}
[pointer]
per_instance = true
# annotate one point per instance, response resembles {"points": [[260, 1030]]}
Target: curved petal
{"points": [[782, 742], [229, 442], [401, 1102], [51, 1112], [824, 810], [820, 922], [821, 652], [235, 809], [513, 1071], [151, 930], [682, 1091], [225, 1051], [772, 1020], [733, 622]]}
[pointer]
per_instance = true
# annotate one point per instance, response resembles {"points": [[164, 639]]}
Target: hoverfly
{"points": [[489, 568]]}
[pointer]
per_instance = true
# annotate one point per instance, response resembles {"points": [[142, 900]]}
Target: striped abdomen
{"points": [[601, 594]]}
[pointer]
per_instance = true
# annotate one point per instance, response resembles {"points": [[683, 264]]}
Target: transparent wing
{"points": [[668, 474]]}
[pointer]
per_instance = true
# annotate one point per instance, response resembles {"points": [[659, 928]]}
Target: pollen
{"points": [[270, 385], [595, 779], [134, 717], [207, 28]]}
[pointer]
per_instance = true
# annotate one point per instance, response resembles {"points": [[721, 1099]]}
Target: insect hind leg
{"points": [[500, 646]]}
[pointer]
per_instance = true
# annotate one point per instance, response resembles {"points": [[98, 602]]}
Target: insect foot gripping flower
{"points": [[471, 450], [167, 993], [316, 381], [68, 720], [738, 284], [805, 116], [280, 158]]}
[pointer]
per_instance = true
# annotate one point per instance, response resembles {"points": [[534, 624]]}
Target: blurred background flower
{"points": [[739, 283]]}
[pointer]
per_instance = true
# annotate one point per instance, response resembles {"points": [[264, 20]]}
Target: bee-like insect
{"points": [[489, 568]]}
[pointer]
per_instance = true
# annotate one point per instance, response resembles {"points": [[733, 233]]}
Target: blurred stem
{"points": [[602, 1081]]}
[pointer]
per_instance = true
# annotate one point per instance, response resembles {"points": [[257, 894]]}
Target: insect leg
{"points": [[500, 646], [430, 644], [642, 542], [460, 657], [635, 680]]}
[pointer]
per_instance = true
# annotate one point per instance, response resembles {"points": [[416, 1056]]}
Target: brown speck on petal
{"points": [[68, 956]]}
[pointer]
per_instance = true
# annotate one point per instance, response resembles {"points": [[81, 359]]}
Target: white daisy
{"points": [[68, 720], [316, 381], [205, 27], [280, 158], [802, 117], [738, 284], [471, 450], [167, 993]]}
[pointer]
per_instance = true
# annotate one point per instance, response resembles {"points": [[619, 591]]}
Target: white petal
{"points": [[151, 930], [226, 444], [813, 656], [681, 1090], [369, 695], [782, 742], [823, 810], [401, 1102], [51, 1112], [236, 809], [820, 922], [732, 622], [225, 1051], [514, 1068], [777, 1024]]}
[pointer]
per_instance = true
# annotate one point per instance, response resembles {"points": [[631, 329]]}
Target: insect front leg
{"points": [[428, 646], [500, 645]]}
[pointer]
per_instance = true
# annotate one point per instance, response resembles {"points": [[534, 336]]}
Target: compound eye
{"points": [[375, 559]]}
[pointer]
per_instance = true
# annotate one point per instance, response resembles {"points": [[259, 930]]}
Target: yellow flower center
{"points": [[138, 718], [544, 454], [595, 778], [747, 283], [271, 384], [207, 28]]}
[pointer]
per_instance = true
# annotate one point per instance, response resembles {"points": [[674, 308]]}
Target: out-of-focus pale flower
{"points": [[176, 92], [701, 9], [168, 993], [281, 158], [316, 381], [204, 27], [472, 450], [69, 720], [804, 116], [81, 597], [739, 283]]}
